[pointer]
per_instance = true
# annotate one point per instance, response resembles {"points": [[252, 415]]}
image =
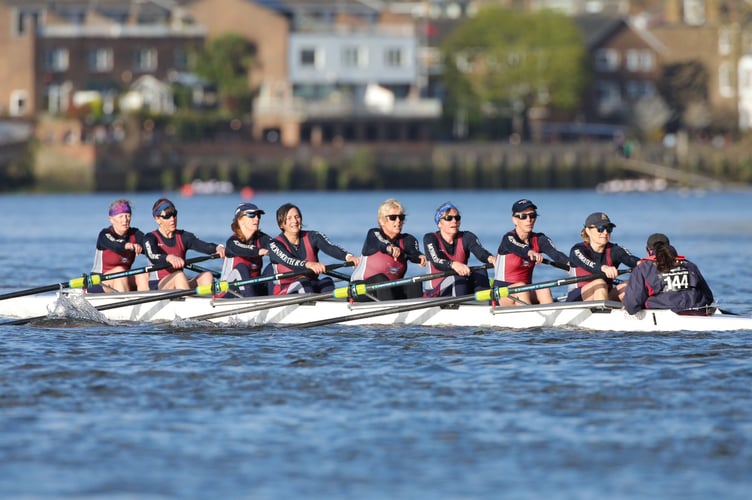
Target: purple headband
{"points": [[162, 206], [445, 207], [120, 207]]}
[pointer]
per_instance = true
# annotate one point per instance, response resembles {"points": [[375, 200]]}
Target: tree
{"points": [[506, 62], [225, 61]]}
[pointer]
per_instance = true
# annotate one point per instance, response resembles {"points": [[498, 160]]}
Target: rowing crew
{"points": [[661, 280]]}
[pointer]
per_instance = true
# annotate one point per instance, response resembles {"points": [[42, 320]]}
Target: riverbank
{"points": [[171, 165]]}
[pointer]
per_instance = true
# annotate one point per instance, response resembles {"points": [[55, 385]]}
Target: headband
{"points": [[445, 207], [120, 207], [162, 206]]}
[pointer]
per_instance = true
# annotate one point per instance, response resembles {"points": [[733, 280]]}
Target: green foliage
{"points": [[225, 61], [502, 61]]}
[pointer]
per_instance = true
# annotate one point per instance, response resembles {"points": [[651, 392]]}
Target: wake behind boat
{"points": [[314, 310]]}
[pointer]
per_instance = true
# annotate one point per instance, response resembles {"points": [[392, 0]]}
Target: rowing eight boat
{"points": [[301, 310]]}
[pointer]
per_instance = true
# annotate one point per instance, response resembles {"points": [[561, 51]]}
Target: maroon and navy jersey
{"points": [[244, 253], [157, 247], [376, 261], [111, 252], [286, 257], [585, 261], [440, 253], [513, 265]]}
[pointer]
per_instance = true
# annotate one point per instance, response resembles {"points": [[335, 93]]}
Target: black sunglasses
{"points": [[394, 217], [450, 218], [600, 229], [532, 215], [169, 214], [252, 215]]}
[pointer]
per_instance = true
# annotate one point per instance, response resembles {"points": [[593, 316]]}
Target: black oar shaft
{"points": [[428, 303]]}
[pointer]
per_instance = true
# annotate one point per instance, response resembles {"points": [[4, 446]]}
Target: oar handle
{"points": [[551, 263], [359, 289], [150, 268], [224, 286]]}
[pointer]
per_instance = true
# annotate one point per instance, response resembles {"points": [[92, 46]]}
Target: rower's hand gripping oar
{"points": [[219, 287], [360, 289], [505, 291], [87, 281]]}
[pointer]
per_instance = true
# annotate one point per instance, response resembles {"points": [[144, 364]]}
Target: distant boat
{"points": [[207, 187], [632, 186]]}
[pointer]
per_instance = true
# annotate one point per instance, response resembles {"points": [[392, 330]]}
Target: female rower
{"points": [[245, 250], [297, 250], [596, 254], [386, 251], [519, 251], [665, 280], [117, 248], [449, 249], [168, 245]]}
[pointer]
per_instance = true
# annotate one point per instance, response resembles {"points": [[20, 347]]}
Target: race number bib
{"points": [[675, 280]]}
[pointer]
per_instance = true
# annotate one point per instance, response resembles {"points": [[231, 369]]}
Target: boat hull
{"points": [[596, 316]]}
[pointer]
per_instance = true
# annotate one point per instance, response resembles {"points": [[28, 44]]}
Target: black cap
{"points": [[656, 238], [521, 205]]}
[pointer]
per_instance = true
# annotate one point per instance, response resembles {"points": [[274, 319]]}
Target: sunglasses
{"points": [[169, 215], [394, 217], [532, 215], [450, 218], [600, 229], [252, 215]]}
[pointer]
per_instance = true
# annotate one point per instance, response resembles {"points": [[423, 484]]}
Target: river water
{"points": [[138, 411]]}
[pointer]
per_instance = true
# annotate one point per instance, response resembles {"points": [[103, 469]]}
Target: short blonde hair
{"points": [[388, 205]]}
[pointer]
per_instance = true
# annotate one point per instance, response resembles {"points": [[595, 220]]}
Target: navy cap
{"points": [[247, 208], [656, 238], [598, 219], [521, 205]]}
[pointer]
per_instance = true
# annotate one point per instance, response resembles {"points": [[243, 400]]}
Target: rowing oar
{"points": [[551, 263], [214, 288], [505, 291], [445, 301], [359, 289], [270, 304], [96, 279], [482, 296]]}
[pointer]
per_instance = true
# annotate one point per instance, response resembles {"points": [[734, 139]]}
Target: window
{"points": [[56, 59], [394, 58], [639, 60], [308, 58], [745, 80], [145, 60], [694, 12], [19, 102], [180, 59], [27, 21], [635, 89], [724, 41], [353, 57], [608, 97], [100, 60], [606, 60], [725, 79], [56, 95]]}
